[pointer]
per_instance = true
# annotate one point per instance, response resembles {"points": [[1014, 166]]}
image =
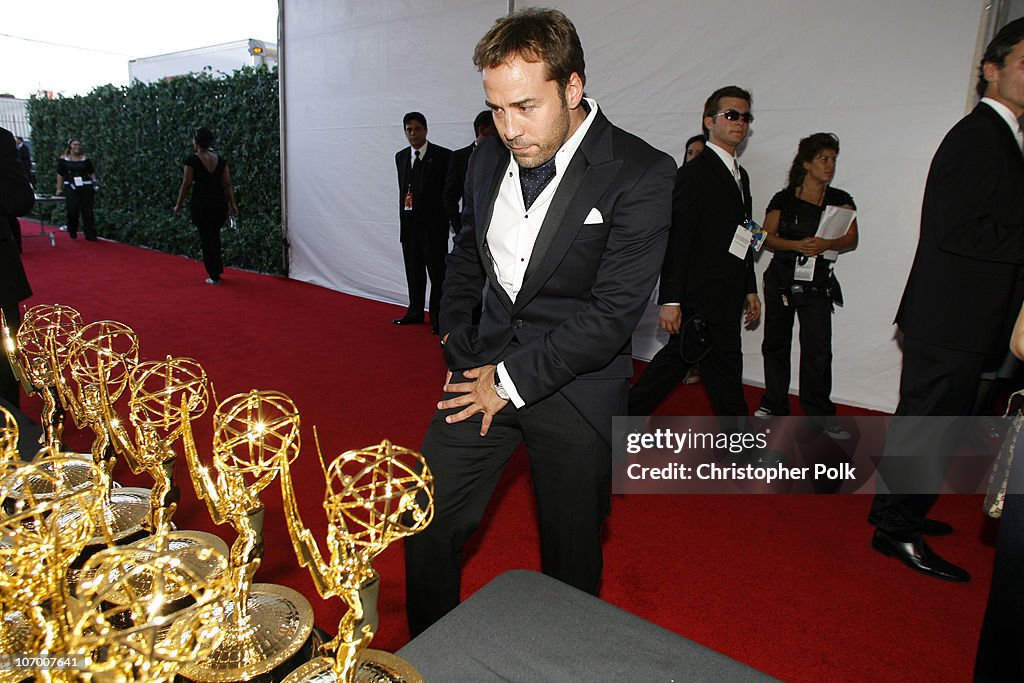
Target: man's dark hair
{"points": [[711, 106], [534, 35], [810, 147], [1002, 45], [204, 137], [483, 120], [414, 116]]}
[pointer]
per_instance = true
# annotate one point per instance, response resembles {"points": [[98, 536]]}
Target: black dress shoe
{"points": [[408, 320], [918, 556], [434, 330]]}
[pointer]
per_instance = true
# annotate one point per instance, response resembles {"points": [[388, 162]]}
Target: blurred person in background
{"points": [[791, 222], [25, 157], [76, 180], [213, 199]]}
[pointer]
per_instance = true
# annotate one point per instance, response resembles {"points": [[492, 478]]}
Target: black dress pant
{"points": [[721, 371], [15, 226], [570, 464], [815, 316], [424, 252], [209, 240], [79, 202], [1000, 651], [935, 381]]}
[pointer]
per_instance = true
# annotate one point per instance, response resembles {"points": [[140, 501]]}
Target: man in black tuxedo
{"points": [[16, 199], [567, 231], [422, 168], [700, 275], [454, 184], [961, 298]]}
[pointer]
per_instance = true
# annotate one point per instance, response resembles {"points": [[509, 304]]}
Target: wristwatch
{"points": [[500, 390]]}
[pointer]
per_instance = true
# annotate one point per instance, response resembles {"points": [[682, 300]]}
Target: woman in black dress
{"points": [[76, 180], [212, 199], [791, 223]]}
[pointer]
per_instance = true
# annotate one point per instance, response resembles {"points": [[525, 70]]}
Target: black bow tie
{"points": [[534, 180]]}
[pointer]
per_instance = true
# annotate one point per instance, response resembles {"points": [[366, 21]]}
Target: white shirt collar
{"points": [[728, 159], [422, 150], [564, 155], [1006, 115]]}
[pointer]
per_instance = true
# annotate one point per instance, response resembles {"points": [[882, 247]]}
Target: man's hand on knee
{"points": [[477, 396]]}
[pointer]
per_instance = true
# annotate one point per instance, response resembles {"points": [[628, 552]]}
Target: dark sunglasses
{"points": [[733, 115]]}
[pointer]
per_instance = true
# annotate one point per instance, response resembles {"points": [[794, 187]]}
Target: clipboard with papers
{"points": [[835, 222]]}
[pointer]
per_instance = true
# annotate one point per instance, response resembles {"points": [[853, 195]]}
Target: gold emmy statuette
{"points": [[147, 612], [374, 497], [40, 535], [75, 471], [36, 353], [164, 394], [265, 624], [8, 439], [100, 358]]}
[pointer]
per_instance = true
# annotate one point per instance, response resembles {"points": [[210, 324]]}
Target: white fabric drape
{"points": [[889, 78]]}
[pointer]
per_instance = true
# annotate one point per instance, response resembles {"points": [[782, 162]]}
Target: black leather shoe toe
{"points": [[408, 320], [918, 556]]}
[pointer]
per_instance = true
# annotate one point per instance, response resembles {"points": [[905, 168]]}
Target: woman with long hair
{"points": [[213, 198], [799, 282]]}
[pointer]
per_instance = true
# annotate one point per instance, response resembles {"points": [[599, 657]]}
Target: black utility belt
{"points": [[801, 293]]}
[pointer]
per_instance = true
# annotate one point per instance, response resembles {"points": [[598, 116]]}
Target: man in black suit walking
{"points": [[454, 184], [16, 199], [961, 298], [704, 274], [422, 168], [566, 218]]}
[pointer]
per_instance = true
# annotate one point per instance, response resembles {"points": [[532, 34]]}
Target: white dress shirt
{"points": [[731, 163], [513, 229]]}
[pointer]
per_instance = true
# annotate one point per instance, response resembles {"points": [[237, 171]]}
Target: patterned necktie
{"points": [[534, 180], [736, 174]]}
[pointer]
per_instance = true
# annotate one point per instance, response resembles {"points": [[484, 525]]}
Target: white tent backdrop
{"points": [[889, 78]]}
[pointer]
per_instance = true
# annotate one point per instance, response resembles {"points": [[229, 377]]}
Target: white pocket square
{"points": [[594, 217]]}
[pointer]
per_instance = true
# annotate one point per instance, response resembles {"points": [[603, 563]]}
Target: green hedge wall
{"points": [[138, 137]]}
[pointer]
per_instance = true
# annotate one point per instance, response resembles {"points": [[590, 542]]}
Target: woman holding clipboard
{"points": [[799, 282]]}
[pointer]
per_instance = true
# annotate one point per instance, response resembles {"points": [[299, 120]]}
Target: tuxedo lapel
{"points": [[403, 168], [720, 171], [1010, 140], [484, 223], [570, 205]]}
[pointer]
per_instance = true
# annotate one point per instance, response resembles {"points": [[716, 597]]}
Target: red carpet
{"points": [[787, 584]]}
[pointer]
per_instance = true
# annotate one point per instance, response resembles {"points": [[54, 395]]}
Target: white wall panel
{"points": [[888, 78]]}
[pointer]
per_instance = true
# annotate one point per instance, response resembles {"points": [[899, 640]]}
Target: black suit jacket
{"points": [[455, 183], [699, 272], [586, 284], [16, 199], [965, 287], [428, 217]]}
